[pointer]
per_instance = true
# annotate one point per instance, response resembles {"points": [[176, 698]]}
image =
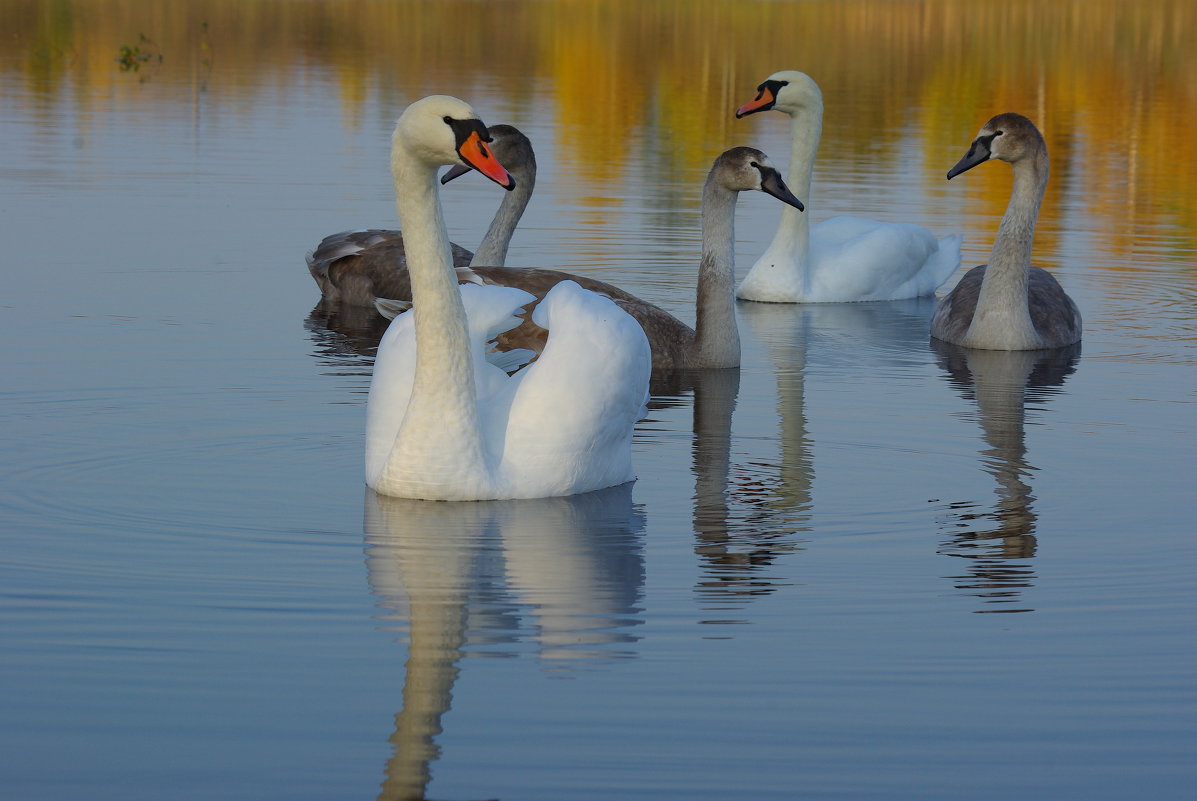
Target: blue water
{"points": [[856, 568]]}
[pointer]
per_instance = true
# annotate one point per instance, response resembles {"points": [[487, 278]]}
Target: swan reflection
{"points": [[344, 335], [748, 513], [1000, 540], [561, 577]]}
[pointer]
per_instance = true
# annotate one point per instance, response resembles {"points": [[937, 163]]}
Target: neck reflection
{"points": [[1000, 540], [561, 577]]}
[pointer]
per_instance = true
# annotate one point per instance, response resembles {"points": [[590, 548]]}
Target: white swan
{"points": [[355, 267], [714, 341], [843, 258], [1009, 304], [443, 423]]}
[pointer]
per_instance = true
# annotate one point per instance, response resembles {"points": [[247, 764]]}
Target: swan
{"points": [[843, 258], [354, 267], [442, 423], [1009, 304], [714, 341]]}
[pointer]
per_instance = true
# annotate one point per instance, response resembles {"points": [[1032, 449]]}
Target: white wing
{"points": [[570, 415]]}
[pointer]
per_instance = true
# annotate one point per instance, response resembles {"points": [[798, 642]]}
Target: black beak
{"points": [[771, 184], [976, 154]]}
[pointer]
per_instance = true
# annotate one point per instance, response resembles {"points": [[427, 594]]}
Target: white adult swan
{"points": [[843, 258], [443, 423], [714, 341], [355, 267], [1009, 304]]}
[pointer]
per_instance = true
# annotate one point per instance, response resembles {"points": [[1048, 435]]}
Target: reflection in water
{"points": [[345, 336], [1001, 382], [796, 337], [457, 574], [747, 514]]}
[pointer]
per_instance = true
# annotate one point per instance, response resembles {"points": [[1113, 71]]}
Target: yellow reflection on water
{"points": [[662, 76]]}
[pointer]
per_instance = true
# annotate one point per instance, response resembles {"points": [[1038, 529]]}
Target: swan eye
{"points": [[998, 133], [754, 164], [447, 120]]}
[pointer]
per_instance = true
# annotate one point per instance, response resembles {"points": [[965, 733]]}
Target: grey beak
{"points": [[978, 153], [771, 184]]}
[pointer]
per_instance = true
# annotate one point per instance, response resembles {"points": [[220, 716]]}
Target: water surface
{"points": [[861, 566]]}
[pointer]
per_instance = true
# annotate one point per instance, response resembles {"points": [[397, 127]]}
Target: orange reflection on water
{"points": [[628, 75]]}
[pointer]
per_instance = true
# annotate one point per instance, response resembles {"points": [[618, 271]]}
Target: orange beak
{"points": [[764, 100], [477, 154]]}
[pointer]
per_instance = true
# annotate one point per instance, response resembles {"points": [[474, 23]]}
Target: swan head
{"points": [[439, 129], [1010, 137], [512, 149], [788, 91], [743, 168]]}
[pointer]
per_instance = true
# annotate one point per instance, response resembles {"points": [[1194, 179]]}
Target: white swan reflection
{"points": [[999, 541], [561, 577]]}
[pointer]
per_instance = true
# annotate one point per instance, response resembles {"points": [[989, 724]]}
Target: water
{"points": [[859, 567]]}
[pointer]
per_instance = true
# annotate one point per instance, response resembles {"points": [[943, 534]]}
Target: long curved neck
{"points": [[442, 408], [492, 250], [716, 338], [1002, 304], [783, 268], [806, 127]]}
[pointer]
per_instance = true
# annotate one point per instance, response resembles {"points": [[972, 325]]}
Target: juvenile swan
{"points": [[1008, 304], [843, 258], [714, 341], [445, 424], [354, 267]]}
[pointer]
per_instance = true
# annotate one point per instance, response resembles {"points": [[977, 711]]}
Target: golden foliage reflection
{"points": [[1119, 76]]}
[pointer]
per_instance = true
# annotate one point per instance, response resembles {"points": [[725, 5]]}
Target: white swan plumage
{"points": [[841, 259], [443, 423], [1009, 304]]}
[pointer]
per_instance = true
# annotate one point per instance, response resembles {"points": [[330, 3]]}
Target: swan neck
{"points": [[1002, 316], [1012, 245], [492, 250], [443, 387], [717, 340], [783, 268], [806, 127]]}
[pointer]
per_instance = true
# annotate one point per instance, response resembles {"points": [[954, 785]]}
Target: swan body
{"points": [[1009, 304], [355, 267], [843, 258], [714, 341], [443, 423]]}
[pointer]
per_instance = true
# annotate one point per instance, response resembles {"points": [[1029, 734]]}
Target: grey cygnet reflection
{"points": [[460, 576], [998, 540], [746, 514]]}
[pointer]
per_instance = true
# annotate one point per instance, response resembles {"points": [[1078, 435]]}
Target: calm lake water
{"points": [[859, 567]]}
